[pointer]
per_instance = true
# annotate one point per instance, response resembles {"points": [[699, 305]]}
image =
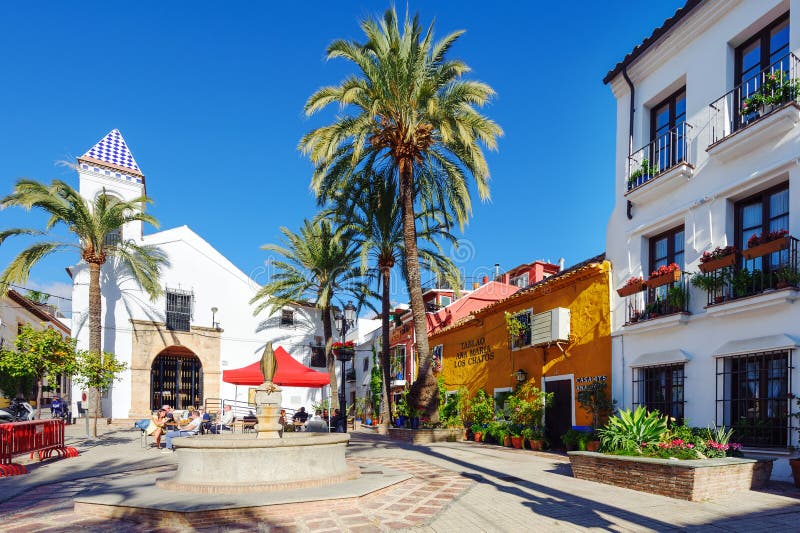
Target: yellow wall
{"points": [[476, 353]]}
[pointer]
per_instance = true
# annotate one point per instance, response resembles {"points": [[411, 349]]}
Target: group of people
{"points": [[158, 425], [318, 422]]}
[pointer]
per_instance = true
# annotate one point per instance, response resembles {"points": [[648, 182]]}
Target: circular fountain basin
{"points": [[243, 463]]}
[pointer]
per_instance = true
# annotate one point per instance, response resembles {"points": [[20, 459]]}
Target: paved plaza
{"points": [[453, 487]]}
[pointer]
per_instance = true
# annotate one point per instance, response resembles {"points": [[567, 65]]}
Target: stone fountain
{"points": [[266, 461]]}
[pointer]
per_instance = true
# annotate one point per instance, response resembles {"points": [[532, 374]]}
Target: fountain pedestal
{"points": [[268, 407]]}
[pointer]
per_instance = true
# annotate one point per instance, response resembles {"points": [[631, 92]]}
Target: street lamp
{"points": [[214, 317], [343, 323], [521, 375]]}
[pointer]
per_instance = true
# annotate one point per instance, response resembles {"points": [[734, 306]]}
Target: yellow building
{"points": [[566, 346]]}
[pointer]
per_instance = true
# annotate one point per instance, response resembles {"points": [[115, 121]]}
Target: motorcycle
{"points": [[18, 411], [60, 409]]}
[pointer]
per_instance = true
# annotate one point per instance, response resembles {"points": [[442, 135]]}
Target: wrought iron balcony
{"points": [[755, 98], [659, 156], [658, 301], [770, 266]]}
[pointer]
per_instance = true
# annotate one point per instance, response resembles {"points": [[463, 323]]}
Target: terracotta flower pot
{"points": [[592, 445], [631, 289], [516, 442], [507, 441], [535, 445], [477, 436], [760, 250], [664, 279]]}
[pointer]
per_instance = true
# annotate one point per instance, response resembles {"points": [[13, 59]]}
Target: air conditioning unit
{"points": [[550, 326]]}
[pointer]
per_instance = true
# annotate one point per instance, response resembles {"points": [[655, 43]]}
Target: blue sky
{"points": [[209, 97]]}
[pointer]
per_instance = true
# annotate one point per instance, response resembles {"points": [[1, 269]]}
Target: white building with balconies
{"points": [[707, 158]]}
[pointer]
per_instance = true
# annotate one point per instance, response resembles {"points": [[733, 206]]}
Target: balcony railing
{"points": [[778, 269], [755, 98], [655, 302], [659, 155]]}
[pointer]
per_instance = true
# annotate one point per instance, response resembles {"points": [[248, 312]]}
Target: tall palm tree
{"points": [[315, 267], [410, 105], [91, 223], [368, 212]]}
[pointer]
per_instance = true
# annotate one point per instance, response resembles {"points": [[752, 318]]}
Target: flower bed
{"points": [[693, 480]]}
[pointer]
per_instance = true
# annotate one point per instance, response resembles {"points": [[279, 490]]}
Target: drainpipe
{"points": [[630, 127]]}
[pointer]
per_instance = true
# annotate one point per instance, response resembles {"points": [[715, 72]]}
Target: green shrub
{"points": [[629, 429], [481, 408]]}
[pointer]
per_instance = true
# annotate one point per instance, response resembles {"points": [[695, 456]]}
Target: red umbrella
{"points": [[290, 373]]}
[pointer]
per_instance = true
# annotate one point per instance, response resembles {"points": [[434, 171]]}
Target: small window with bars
{"points": [[318, 357], [287, 318], [179, 309], [113, 237], [660, 388]]}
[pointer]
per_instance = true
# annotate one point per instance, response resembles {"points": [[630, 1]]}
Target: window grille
{"points": [[287, 318], [660, 388], [753, 393], [524, 338], [520, 281], [113, 238], [366, 364], [318, 357], [179, 309]]}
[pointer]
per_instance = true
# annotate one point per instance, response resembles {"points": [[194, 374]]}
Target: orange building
{"points": [[565, 344]]}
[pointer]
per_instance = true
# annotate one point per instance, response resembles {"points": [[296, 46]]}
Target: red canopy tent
{"points": [[290, 373]]}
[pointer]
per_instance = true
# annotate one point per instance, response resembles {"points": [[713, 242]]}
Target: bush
{"points": [[481, 408], [526, 406], [629, 429]]}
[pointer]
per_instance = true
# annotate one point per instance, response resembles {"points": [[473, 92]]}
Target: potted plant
{"points": [[477, 432], [595, 401], [632, 286], [646, 169], [664, 275], [534, 438], [776, 88], [570, 439], [712, 283], [761, 244], [787, 277], [340, 348], [516, 439], [718, 258], [677, 298], [516, 328]]}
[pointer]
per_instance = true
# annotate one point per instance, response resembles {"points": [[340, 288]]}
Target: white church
{"points": [[176, 347]]}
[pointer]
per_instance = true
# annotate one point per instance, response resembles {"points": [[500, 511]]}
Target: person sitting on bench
{"points": [[225, 421], [190, 429]]}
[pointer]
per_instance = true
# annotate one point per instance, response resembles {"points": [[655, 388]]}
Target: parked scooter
{"points": [[60, 409], [18, 411]]}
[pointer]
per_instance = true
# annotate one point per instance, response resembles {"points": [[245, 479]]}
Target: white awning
{"points": [[661, 358], [768, 343]]}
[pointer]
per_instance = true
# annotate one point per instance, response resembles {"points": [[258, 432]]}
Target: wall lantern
{"points": [[521, 375]]}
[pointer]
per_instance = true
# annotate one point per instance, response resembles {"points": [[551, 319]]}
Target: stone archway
{"points": [[176, 379]]}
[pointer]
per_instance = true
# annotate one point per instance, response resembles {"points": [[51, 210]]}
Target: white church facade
{"points": [[176, 347]]}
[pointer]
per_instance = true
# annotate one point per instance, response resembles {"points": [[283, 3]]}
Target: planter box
{"points": [[716, 264], [665, 279], [685, 480], [629, 290], [425, 436], [766, 248]]}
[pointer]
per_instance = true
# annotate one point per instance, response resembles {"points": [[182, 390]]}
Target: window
{"points": [[667, 132], [444, 301], [437, 352], [179, 309], [365, 365], [661, 388], [520, 281], [318, 357], [764, 53], [113, 237], [753, 397], [524, 338], [287, 318], [765, 211], [500, 398], [397, 362], [667, 248]]}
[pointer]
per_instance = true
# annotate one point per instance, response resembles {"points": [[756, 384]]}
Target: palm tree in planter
{"points": [[409, 105], [315, 266], [92, 224], [367, 212]]}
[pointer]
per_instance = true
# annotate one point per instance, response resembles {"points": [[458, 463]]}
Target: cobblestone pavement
{"points": [[455, 487]]}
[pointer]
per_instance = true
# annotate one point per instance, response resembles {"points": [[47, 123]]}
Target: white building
{"points": [[367, 339], [177, 346], [700, 165]]}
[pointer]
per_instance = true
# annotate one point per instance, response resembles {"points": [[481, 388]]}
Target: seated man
{"points": [[300, 416], [225, 421], [190, 429], [317, 424], [338, 421]]}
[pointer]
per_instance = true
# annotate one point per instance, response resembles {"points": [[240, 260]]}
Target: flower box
{"points": [[664, 279], [715, 264], [766, 248], [631, 289]]}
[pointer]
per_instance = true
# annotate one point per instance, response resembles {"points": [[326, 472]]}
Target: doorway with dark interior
{"points": [[558, 416]]}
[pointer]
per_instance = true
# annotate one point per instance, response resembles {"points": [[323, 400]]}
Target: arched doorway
{"points": [[176, 379]]}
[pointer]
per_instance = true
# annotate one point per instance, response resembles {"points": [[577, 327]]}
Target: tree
{"points": [[39, 354], [97, 371], [366, 211], [409, 105], [315, 267], [37, 297], [92, 224]]}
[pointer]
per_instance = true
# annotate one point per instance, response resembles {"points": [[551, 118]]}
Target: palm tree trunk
{"points": [[327, 331], [95, 343], [423, 395], [386, 408]]}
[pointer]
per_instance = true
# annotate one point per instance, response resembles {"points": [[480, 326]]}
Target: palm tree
{"points": [[367, 212], [411, 106], [315, 267], [93, 225]]}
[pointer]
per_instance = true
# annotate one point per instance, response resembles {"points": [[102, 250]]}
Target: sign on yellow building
{"points": [[565, 346]]}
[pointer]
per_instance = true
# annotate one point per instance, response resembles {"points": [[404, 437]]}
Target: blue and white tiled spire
{"points": [[111, 151]]}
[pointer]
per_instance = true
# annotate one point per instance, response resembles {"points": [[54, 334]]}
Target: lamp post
{"points": [[214, 317], [343, 323]]}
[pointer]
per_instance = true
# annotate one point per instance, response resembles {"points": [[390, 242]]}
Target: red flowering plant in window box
{"points": [[719, 258], [663, 275], [632, 286], [343, 347], [766, 243]]}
